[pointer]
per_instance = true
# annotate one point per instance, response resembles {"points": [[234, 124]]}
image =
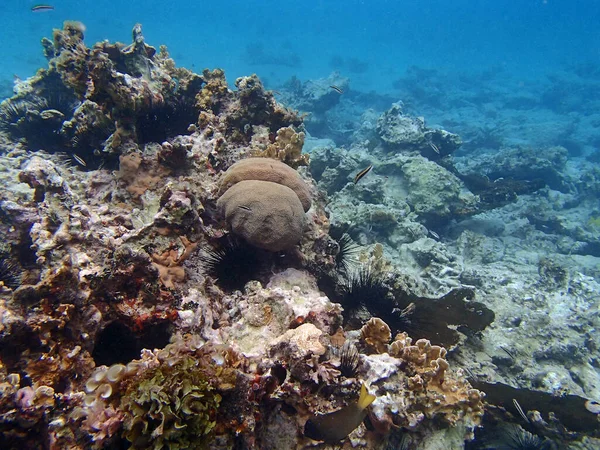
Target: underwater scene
{"points": [[300, 225]]}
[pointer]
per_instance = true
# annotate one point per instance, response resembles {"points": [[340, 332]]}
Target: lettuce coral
{"points": [[171, 406]]}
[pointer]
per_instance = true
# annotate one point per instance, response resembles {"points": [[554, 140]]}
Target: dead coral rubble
{"points": [[400, 132]]}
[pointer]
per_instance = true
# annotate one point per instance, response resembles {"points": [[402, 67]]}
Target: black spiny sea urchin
{"points": [[10, 273], [349, 360], [232, 265], [365, 291], [516, 438], [39, 118], [348, 249], [397, 440], [158, 122], [11, 110]]}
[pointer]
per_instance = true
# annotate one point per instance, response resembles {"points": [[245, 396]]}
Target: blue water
{"points": [[528, 38]]}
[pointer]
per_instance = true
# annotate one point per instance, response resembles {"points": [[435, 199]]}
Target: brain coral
{"points": [[268, 215], [267, 169]]}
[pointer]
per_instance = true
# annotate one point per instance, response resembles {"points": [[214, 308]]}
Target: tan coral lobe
{"points": [[267, 169], [268, 215], [376, 334]]}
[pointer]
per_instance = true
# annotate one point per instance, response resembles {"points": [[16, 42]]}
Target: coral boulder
{"points": [[268, 215], [263, 201], [267, 169]]}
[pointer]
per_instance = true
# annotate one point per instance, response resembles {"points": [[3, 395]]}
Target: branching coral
{"points": [[287, 148], [432, 390]]}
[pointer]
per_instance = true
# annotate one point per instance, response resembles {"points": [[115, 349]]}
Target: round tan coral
{"points": [[267, 169], [376, 334], [268, 215]]}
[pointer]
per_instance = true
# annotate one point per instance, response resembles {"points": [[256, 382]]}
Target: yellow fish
{"points": [[336, 425]]}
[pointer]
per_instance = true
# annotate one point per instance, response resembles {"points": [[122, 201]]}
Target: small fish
{"points": [[507, 352], [434, 147], [520, 410], [335, 426], [434, 234], [362, 173], [246, 208], [337, 89], [41, 8], [80, 160]]}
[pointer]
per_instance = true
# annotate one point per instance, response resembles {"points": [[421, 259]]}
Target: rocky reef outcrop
{"points": [[122, 319]]}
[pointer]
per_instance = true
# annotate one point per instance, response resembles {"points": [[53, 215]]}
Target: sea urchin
{"points": [[10, 273], [349, 360], [364, 290], [348, 249], [232, 265], [516, 438]]}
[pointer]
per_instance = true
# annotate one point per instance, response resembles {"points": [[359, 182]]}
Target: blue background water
{"points": [[278, 38]]}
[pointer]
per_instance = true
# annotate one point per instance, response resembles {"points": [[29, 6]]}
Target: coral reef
{"points": [[162, 286], [522, 242], [102, 258], [428, 389], [287, 148]]}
